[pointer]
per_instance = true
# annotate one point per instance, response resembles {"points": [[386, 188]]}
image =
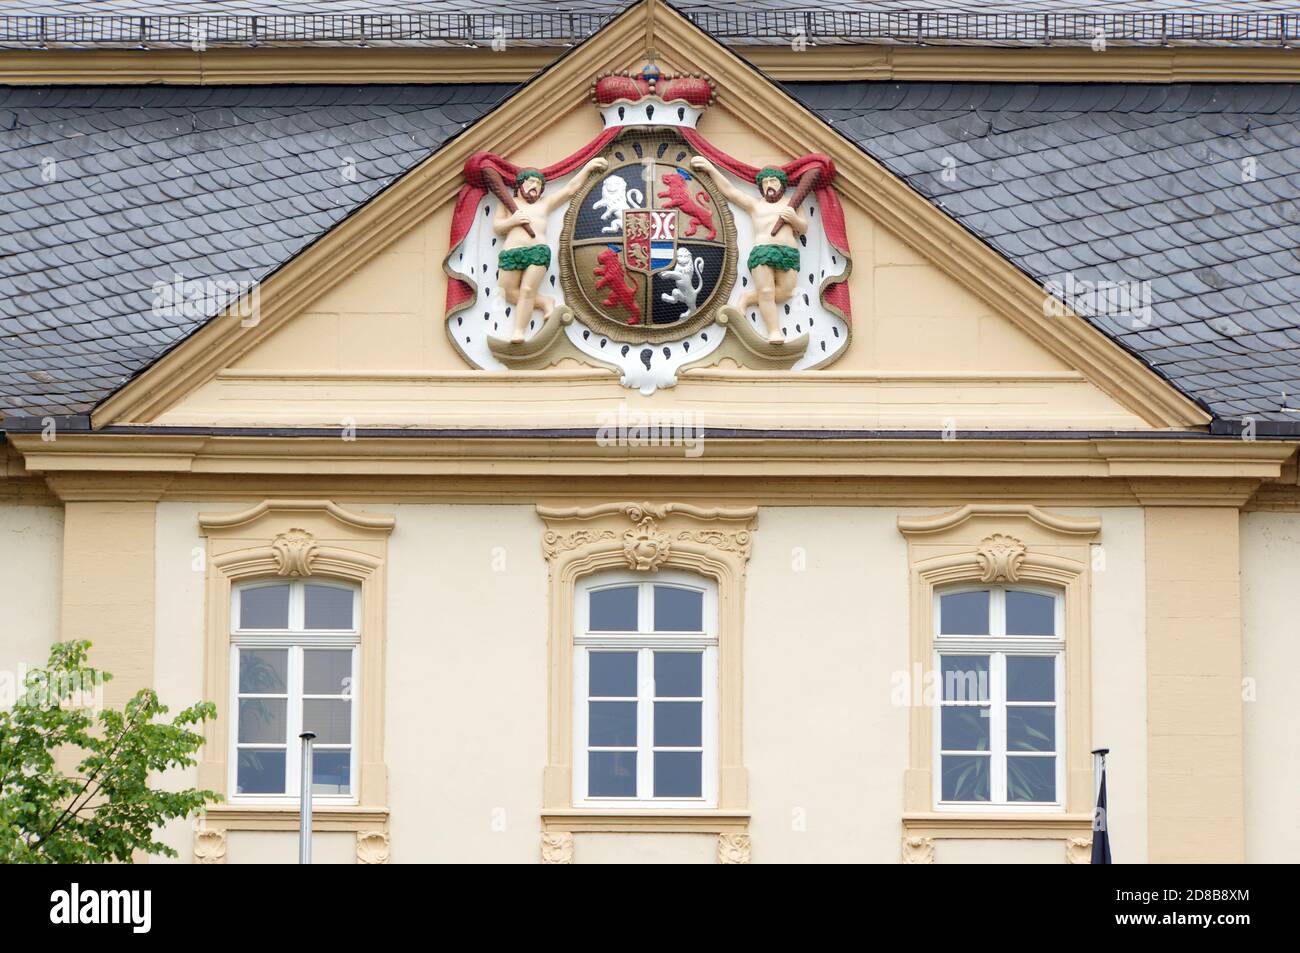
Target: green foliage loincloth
{"points": [[517, 259], [780, 257]]}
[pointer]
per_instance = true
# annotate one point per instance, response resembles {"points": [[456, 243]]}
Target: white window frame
{"points": [[646, 642], [997, 645], [296, 638]]}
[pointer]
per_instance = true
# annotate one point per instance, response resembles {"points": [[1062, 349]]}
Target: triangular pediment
{"points": [[919, 326]]}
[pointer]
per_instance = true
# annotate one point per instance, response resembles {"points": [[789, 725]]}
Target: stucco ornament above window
{"points": [[649, 250]]}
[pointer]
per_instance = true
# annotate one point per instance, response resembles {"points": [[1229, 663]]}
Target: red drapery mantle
{"points": [[460, 292]]}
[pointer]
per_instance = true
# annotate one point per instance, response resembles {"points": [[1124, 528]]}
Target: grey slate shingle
{"points": [[1114, 183], [149, 182], [1104, 182]]}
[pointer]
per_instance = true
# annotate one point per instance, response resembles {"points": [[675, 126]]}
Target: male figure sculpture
{"points": [[774, 259], [525, 253]]}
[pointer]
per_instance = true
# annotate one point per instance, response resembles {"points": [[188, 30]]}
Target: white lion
{"points": [[615, 199], [687, 291]]}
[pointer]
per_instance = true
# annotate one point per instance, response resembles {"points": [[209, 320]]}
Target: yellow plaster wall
{"points": [[924, 353], [1270, 557], [108, 590], [31, 553], [1194, 658], [178, 646], [1119, 673], [465, 727], [826, 630]]}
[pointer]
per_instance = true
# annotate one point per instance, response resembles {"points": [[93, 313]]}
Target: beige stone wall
{"points": [[1270, 560], [925, 352], [178, 647], [1194, 658], [826, 623], [31, 553], [466, 707], [825, 747], [1119, 676]]}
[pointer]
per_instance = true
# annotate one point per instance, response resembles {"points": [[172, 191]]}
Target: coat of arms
{"points": [[650, 245], [669, 254]]}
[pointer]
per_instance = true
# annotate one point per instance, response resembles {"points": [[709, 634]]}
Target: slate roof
{"points": [[1191, 190], [1100, 182], [223, 183]]}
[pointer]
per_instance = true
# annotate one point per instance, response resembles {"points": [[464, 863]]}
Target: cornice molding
{"points": [[1117, 64], [838, 62], [224, 818], [584, 821], [269, 65], [223, 523], [103, 466], [745, 92], [1053, 522]]}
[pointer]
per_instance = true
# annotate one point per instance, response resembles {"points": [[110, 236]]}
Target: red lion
{"points": [[621, 294], [693, 208]]}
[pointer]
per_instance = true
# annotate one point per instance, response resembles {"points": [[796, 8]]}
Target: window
{"points": [[645, 688], [294, 667], [1000, 722]]}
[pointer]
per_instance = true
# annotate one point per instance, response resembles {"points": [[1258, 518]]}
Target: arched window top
{"points": [[665, 603], [1019, 611], [278, 605]]}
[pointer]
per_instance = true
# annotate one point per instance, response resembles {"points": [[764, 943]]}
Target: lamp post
{"points": [[304, 808]]}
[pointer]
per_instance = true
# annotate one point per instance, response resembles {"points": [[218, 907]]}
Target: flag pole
{"points": [[1100, 819], [304, 807]]}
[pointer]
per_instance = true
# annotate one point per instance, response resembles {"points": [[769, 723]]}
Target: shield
{"points": [[649, 239], [648, 249]]}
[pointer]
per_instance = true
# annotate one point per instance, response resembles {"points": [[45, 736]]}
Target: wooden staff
{"points": [[494, 182], [807, 182]]}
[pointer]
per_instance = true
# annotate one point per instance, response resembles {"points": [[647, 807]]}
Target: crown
{"points": [[651, 97]]}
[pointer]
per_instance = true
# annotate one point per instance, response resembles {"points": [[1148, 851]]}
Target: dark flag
{"points": [[1100, 827]]}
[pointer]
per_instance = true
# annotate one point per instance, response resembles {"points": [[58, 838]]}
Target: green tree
{"points": [[104, 810]]}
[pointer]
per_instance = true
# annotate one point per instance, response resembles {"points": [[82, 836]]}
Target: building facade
{"points": [[669, 449]]}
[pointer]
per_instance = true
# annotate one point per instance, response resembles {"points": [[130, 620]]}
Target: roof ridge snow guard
{"points": [[903, 27]]}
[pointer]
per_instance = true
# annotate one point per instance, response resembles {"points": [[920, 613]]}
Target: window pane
{"points": [[1031, 678], [613, 610], [611, 774], [677, 774], [678, 610], [612, 674], [679, 674], [965, 728], [328, 607], [331, 720], [1029, 613], [266, 607], [677, 724], [260, 772], [262, 720], [964, 613], [263, 671], [331, 772], [965, 678], [965, 777], [611, 724], [327, 672], [1031, 729], [1031, 779]]}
